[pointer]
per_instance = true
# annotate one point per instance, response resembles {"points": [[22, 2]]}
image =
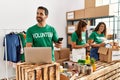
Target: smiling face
{"points": [[101, 28], [40, 16]]}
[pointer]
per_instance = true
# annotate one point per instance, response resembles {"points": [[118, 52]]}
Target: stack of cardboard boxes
{"points": [[90, 11]]}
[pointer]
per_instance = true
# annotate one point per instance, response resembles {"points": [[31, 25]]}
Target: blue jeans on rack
{"points": [[94, 53]]}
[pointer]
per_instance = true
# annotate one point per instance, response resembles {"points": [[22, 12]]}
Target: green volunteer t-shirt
{"points": [[98, 38], [22, 57], [42, 37], [74, 38]]}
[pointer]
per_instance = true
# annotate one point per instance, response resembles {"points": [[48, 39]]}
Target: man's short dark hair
{"points": [[46, 10]]}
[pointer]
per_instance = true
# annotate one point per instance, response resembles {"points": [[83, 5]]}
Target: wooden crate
{"points": [[25, 71]]}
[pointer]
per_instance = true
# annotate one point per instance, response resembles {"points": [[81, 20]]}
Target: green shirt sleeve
{"points": [[73, 37], [55, 36], [97, 38], [92, 36], [29, 36]]}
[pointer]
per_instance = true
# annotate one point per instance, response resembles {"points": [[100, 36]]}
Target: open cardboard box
{"points": [[109, 54], [62, 55]]}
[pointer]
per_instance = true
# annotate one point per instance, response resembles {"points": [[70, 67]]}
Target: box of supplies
{"points": [[109, 54]]}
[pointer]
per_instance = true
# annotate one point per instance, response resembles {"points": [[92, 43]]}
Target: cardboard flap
{"points": [[57, 54], [64, 53], [103, 50]]}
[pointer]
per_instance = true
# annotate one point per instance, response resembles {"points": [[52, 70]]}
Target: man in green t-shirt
{"points": [[42, 34]]}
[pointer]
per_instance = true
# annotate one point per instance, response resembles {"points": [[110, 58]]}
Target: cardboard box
{"points": [[102, 11], [64, 53], [115, 55], [108, 54], [57, 54], [70, 15], [79, 14], [106, 10], [90, 13], [90, 3], [103, 54], [71, 29]]}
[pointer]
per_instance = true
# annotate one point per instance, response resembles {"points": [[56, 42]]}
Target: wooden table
{"points": [[104, 71]]}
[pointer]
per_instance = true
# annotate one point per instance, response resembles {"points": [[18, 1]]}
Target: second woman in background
{"points": [[96, 39]]}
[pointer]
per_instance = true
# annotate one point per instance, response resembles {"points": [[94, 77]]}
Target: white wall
{"points": [[20, 14]]}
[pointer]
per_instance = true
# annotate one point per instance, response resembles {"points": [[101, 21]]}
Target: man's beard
{"points": [[39, 19]]}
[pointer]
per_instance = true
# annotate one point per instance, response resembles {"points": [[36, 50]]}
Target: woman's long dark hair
{"points": [[97, 28], [80, 25]]}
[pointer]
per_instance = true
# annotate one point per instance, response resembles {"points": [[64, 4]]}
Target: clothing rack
{"points": [[6, 31]]}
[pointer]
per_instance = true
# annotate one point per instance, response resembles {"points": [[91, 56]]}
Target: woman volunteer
{"points": [[78, 43], [79, 36], [96, 39]]}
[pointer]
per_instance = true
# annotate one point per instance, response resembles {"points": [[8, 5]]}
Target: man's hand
{"points": [[58, 45], [28, 44]]}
